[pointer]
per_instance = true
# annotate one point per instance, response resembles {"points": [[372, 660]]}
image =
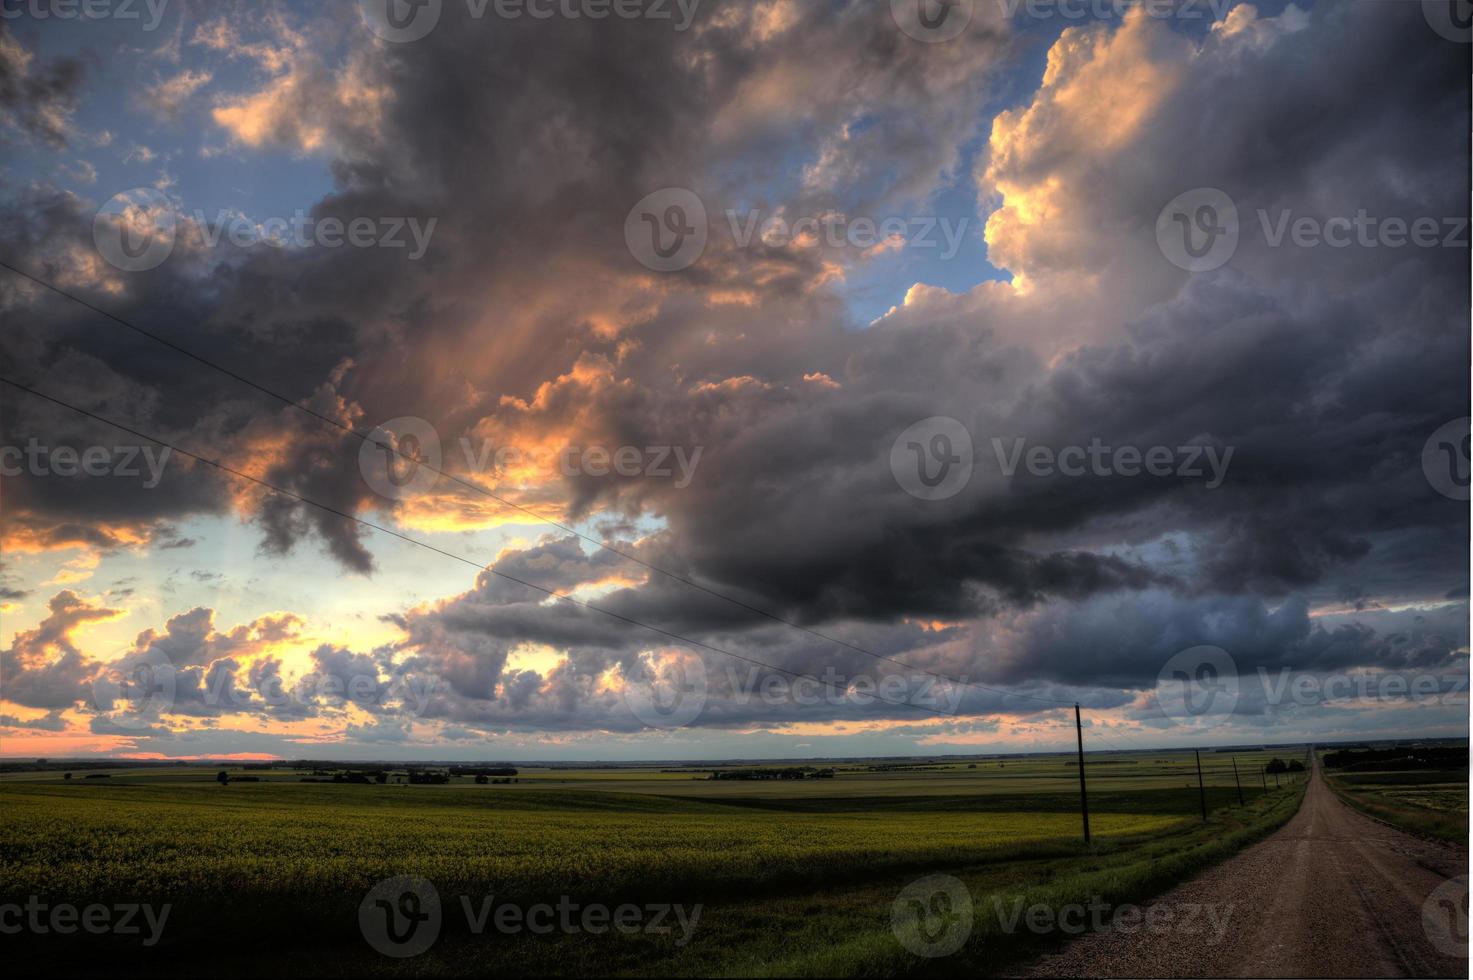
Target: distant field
{"points": [[791, 875], [1433, 803], [1039, 774]]}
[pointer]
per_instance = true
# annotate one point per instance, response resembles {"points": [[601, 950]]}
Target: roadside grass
{"points": [[1426, 803], [1112, 875]]}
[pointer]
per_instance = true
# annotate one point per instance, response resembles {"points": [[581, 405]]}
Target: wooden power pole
{"points": [[1083, 796], [1237, 781], [1202, 793]]}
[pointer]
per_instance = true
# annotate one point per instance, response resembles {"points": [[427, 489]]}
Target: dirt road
{"points": [[1331, 894]]}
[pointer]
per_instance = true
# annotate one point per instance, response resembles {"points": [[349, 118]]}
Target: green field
{"points": [[1432, 803], [791, 876]]}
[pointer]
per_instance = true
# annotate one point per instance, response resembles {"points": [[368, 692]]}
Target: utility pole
{"points": [[1237, 781], [1083, 796], [1264, 776], [1200, 791]]}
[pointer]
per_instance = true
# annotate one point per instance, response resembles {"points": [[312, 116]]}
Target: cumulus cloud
{"points": [[527, 324]]}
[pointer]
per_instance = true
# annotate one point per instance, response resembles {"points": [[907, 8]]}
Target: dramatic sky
{"points": [[803, 349]]}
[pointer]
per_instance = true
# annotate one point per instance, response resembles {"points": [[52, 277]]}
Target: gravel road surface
{"points": [[1332, 893]]}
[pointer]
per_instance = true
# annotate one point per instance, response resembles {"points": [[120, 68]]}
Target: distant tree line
{"points": [[1399, 758], [1276, 766], [792, 772]]}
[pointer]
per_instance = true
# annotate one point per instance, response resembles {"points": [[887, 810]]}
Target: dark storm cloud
{"points": [[1324, 370], [37, 97]]}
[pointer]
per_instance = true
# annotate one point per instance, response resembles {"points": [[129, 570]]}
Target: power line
{"points": [[553, 593], [512, 504]]}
